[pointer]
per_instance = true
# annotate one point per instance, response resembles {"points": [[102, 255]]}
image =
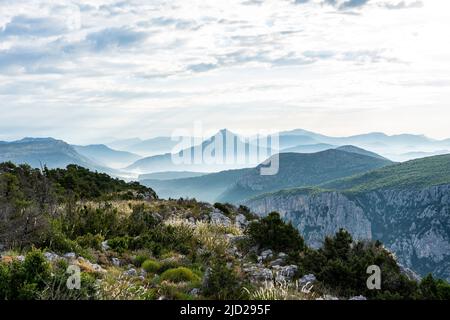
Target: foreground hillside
{"points": [[128, 244], [406, 206]]}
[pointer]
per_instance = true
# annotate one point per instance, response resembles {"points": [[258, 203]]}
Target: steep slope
{"points": [[102, 154], [300, 170], [406, 206]]}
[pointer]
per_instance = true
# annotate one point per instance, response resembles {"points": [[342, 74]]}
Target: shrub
{"points": [[151, 266], [119, 244], [341, 264], [91, 241], [139, 259], [222, 282], [180, 274], [434, 289], [272, 232], [140, 220], [24, 281], [227, 209]]}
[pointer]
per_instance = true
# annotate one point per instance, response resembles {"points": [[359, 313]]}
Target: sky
{"points": [[96, 70]]}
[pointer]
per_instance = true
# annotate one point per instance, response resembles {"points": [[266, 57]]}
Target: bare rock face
{"points": [[319, 215], [217, 217], [413, 224]]}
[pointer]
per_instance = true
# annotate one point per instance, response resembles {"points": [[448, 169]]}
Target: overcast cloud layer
{"points": [[87, 71]]}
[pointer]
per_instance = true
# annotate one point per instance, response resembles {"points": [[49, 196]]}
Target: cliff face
{"points": [[414, 224]]}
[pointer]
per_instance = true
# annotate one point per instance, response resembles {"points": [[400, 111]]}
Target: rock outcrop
{"points": [[413, 224]]}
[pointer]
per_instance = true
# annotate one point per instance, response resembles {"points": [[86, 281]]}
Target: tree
{"points": [[272, 232]]}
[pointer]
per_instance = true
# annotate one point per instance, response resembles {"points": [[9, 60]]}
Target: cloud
{"points": [[346, 4], [353, 4], [403, 5], [169, 22], [130, 64], [111, 38], [25, 26], [202, 67]]}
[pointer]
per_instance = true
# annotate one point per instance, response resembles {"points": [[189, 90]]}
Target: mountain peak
{"points": [[31, 139]]}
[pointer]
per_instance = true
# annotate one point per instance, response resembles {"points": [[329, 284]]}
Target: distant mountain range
{"points": [[197, 156], [295, 169], [38, 152], [124, 157], [149, 147], [106, 156]]}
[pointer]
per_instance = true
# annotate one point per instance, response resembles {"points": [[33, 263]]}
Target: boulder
{"points": [[359, 298], [282, 255], [307, 278], [105, 245], [70, 255], [218, 218], [265, 255], [241, 221], [115, 262], [51, 257], [328, 297], [195, 292], [285, 273], [89, 267], [259, 273], [277, 262], [130, 272]]}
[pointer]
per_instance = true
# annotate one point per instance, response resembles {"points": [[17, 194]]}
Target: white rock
{"points": [[131, 272], [218, 218], [307, 278], [105, 245], [241, 221], [359, 298], [285, 273], [277, 262], [115, 262], [50, 256], [70, 255]]}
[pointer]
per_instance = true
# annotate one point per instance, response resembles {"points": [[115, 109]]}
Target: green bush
{"points": [[24, 280], [91, 241], [272, 232], [341, 265], [434, 289], [180, 274], [119, 244], [227, 209], [140, 221], [222, 282], [139, 259], [151, 266]]}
